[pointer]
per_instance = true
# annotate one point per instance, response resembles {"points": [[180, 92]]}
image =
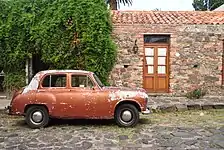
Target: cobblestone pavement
{"points": [[183, 130]]}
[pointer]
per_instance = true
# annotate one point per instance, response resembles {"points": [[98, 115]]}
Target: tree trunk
{"points": [[113, 4]]}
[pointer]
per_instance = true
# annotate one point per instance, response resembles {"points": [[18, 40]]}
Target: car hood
{"points": [[125, 92]]}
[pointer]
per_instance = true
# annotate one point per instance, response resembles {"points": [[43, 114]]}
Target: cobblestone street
{"points": [[185, 130]]}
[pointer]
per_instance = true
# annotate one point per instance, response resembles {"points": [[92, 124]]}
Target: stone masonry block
{"points": [[167, 108], [207, 106], [181, 107], [154, 108], [219, 106], [193, 106]]}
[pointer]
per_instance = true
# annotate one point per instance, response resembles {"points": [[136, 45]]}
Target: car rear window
{"points": [[58, 80]]}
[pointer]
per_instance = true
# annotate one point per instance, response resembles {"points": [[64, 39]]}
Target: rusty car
{"points": [[76, 94]]}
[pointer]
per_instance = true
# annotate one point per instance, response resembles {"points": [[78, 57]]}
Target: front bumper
{"points": [[146, 112]]}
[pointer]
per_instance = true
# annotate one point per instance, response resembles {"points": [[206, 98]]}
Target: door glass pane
{"points": [[161, 51], [58, 80], [149, 51], [149, 60], [161, 60], [81, 81], [150, 70], [161, 69]]}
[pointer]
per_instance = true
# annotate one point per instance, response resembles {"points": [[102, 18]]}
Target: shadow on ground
{"points": [[80, 122]]}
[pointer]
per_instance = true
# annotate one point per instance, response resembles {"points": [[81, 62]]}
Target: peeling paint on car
{"points": [[33, 85], [122, 95]]}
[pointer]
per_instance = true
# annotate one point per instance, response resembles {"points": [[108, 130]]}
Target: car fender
{"points": [[127, 101], [47, 99]]}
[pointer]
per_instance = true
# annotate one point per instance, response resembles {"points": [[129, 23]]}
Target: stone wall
{"points": [[195, 56]]}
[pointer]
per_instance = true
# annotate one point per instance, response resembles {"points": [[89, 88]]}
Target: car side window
{"points": [[81, 81], [58, 80]]}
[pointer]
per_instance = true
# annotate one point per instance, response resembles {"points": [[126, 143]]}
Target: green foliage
{"points": [[14, 81], [47, 27], [202, 4], [196, 94]]}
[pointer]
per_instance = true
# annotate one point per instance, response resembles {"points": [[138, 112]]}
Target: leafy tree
{"points": [[47, 28], [115, 4], [203, 5]]}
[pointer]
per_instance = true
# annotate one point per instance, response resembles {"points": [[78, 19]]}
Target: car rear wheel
{"points": [[37, 117], [126, 115]]}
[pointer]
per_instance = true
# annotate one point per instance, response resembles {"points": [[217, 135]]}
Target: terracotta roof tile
{"points": [[168, 17]]}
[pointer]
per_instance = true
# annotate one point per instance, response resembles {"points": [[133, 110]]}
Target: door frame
{"points": [[168, 63]]}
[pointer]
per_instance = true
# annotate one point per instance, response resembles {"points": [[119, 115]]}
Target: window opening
{"points": [[54, 81], [81, 81], [156, 39]]}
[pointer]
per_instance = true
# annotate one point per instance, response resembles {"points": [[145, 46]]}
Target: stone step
{"points": [[4, 104], [3, 97]]}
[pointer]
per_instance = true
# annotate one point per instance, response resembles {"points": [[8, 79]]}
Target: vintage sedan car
{"points": [[76, 94]]}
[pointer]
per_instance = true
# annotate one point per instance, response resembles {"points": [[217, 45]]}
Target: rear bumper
{"points": [[8, 109], [146, 112]]}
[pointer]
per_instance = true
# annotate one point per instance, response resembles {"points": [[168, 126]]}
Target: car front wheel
{"points": [[127, 115], [37, 117]]}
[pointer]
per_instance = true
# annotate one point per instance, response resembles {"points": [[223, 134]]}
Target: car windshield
{"points": [[98, 80]]}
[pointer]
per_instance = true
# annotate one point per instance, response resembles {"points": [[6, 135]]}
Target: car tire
{"points": [[126, 115], [37, 117]]}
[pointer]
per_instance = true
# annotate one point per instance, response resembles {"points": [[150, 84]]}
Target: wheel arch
{"points": [[132, 102], [30, 105]]}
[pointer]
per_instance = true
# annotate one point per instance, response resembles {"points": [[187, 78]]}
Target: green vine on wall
{"points": [[47, 28]]}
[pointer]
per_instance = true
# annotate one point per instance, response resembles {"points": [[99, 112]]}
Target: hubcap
{"points": [[37, 116], [126, 115]]}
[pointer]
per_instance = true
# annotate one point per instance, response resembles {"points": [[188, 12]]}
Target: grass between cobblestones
{"points": [[209, 118], [206, 118], [203, 118]]}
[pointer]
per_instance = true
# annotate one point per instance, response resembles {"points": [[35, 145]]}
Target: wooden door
{"points": [[156, 68]]}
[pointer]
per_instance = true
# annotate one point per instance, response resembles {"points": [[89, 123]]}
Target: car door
{"points": [[86, 98], [79, 92], [53, 92]]}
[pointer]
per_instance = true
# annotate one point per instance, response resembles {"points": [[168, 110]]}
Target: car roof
{"points": [[63, 71]]}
